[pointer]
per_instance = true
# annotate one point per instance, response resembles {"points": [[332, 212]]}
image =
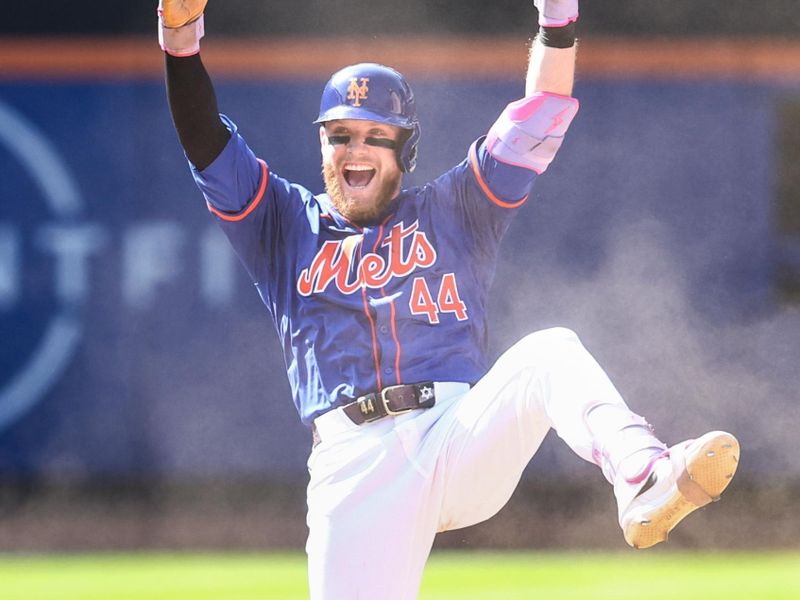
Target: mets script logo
{"points": [[355, 92], [408, 250]]}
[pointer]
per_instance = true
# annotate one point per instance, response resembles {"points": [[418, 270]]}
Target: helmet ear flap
{"points": [[407, 152]]}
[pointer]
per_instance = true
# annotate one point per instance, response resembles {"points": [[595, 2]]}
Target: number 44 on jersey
{"points": [[447, 299]]}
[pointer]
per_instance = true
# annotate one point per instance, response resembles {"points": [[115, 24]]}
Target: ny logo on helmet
{"points": [[356, 93]]}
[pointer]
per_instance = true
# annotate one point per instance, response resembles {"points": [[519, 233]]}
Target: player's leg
{"points": [[550, 380], [370, 515], [546, 380]]}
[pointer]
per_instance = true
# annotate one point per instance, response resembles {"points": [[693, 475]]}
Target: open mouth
{"points": [[358, 176]]}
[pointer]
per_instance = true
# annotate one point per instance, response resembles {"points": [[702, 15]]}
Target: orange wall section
{"points": [[460, 58]]}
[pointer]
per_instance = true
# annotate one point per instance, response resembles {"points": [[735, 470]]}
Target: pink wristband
{"points": [[181, 41]]}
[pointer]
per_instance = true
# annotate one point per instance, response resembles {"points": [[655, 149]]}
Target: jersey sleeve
{"points": [[229, 184], [482, 194], [250, 203], [505, 185]]}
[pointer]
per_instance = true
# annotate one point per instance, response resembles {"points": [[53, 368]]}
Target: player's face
{"points": [[359, 164]]}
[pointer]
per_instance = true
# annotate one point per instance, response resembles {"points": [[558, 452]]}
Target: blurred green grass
{"points": [[450, 575]]}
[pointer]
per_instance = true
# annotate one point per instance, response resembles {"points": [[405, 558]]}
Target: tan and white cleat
{"points": [[682, 479]]}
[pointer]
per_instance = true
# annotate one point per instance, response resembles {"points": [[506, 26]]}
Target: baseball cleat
{"points": [[682, 479]]}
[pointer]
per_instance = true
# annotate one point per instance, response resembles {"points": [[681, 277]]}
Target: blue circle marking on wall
{"points": [[51, 357]]}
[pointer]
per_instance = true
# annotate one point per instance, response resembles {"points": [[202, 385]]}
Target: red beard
{"points": [[357, 211]]}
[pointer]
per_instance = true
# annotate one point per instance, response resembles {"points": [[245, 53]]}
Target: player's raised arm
{"points": [[192, 100], [530, 131], [552, 59]]}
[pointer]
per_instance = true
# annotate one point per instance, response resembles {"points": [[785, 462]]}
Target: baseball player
{"points": [[379, 295]]}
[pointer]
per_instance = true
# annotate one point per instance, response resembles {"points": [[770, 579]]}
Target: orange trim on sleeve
{"points": [[473, 159], [252, 206]]}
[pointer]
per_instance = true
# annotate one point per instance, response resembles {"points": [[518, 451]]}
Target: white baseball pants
{"points": [[380, 492]]}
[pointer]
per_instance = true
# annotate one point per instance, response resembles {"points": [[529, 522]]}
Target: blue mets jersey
{"points": [[359, 308]]}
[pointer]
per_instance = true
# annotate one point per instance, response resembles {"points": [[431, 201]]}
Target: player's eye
{"points": [[336, 140], [381, 142]]}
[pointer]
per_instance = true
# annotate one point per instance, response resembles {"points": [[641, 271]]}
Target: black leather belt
{"points": [[390, 401], [393, 400]]}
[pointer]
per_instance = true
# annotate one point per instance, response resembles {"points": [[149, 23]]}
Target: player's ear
{"points": [[325, 147], [323, 136]]}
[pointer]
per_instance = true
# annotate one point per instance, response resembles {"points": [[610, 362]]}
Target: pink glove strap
{"points": [[181, 41]]}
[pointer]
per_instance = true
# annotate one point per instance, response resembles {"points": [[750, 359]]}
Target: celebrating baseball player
{"points": [[379, 297]]}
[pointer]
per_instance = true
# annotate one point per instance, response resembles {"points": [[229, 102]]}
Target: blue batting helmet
{"points": [[372, 92]]}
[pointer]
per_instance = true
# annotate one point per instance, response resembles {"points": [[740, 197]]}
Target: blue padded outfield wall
{"points": [[132, 343]]}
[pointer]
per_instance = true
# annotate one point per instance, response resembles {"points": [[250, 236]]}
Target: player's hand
{"points": [[181, 26], [177, 13], [556, 13]]}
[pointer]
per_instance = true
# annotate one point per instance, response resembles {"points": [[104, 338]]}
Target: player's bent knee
{"points": [[544, 344], [547, 338], [559, 333]]}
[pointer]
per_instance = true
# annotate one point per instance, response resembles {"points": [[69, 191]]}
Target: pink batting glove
{"points": [[556, 13]]}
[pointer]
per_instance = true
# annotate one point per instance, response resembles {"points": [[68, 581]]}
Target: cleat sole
{"points": [[707, 465]]}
